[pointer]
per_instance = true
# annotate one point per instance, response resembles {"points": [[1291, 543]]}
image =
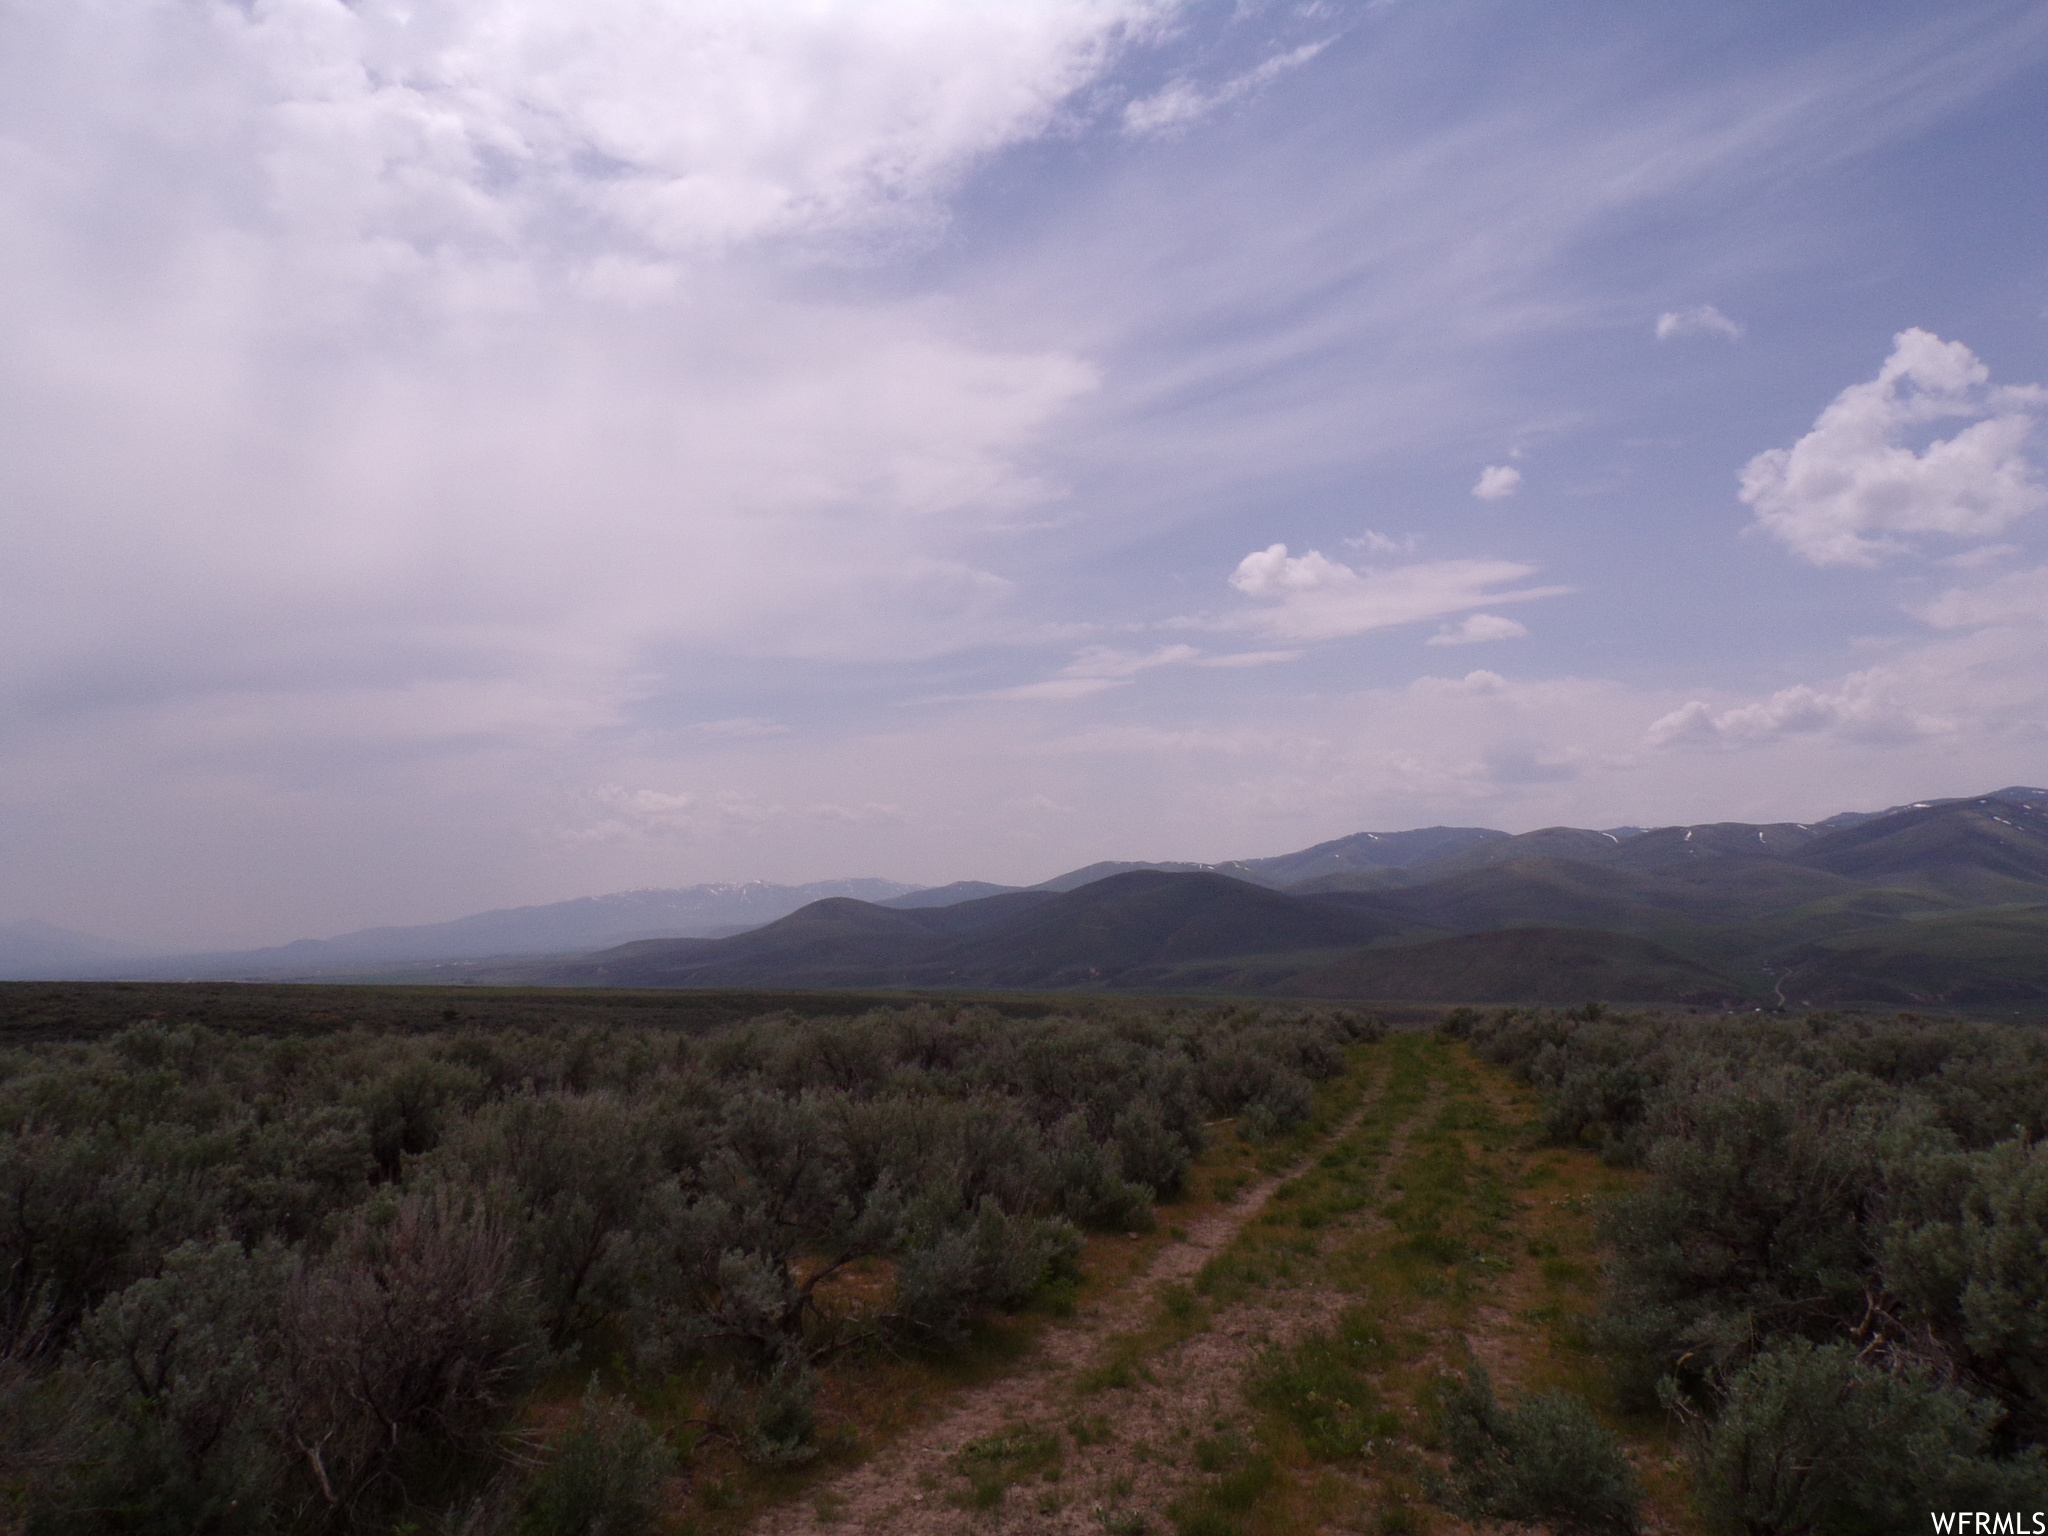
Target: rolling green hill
{"points": [[1117, 931], [1572, 893], [1670, 849], [1515, 965], [1994, 956], [1990, 850]]}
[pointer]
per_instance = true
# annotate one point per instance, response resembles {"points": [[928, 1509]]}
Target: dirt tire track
{"points": [[902, 1488]]}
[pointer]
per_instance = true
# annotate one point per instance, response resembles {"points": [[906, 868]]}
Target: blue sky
{"points": [[487, 453]]}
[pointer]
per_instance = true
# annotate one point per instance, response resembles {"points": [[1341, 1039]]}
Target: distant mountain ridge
{"points": [[563, 927], [1121, 929], [1829, 898], [29, 950], [1941, 902]]}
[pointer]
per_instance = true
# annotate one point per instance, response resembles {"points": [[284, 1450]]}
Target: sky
{"points": [[480, 453]]}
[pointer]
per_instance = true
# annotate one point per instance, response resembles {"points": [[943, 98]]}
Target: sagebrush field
{"points": [[1074, 1266]]}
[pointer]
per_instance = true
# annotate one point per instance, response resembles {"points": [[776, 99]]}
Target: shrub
{"points": [[605, 1478], [176, 1364], [1240, 1078], [1148, 1152], [1092, 1190], [569, 1173], [1811, 1442], [409, 1337], [1964, 1254], [994, 1260], [1547, 1460], [771, 1420], [1755, 1222]]}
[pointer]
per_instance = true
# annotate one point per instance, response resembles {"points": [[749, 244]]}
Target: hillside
{"points": [[1522, 965], [1986, 850], [1992, 957], [1148, 930], [1573, 893], [1097, 935], [1364, 851]]}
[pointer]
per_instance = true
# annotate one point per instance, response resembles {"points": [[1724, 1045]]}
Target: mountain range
{"points": [[1936, 903], [562, 927]]}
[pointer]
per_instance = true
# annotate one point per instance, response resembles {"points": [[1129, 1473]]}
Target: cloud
{"points": [[1983, 555], [1106, 661], [1316, 598], [1183, 102], [1040, 803], [617, 813], [742, 726], [1477, 629], [1478, 682], [2019, 598], [1380, 544], [1057, 690], [1703, 320], [1843, 493], [1237, 659], [1970, 694], [1095, 669], [462, 351], [1866, 708], [1497, 481], [674, 129]]}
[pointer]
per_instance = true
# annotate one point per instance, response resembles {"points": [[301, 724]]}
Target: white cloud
{"points": [[1479, 628], [1843, 493], [1272, 572], [617, 813], [1867, 708], [680, 127], [1184, 102], [1317, 598], [1983, 555], [742, 726], [1497, 481], [1095, 669], [2019, 598], [1380, 544], [457, 348], [1056, 690], [1972, 696], [1237, 659], [1106, 661], [1479, 682], [1702, 320]]}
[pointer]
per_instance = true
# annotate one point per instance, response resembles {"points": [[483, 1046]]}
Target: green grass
{"points": [[994, 1465], [1524, 965], [1323, 1387]]}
